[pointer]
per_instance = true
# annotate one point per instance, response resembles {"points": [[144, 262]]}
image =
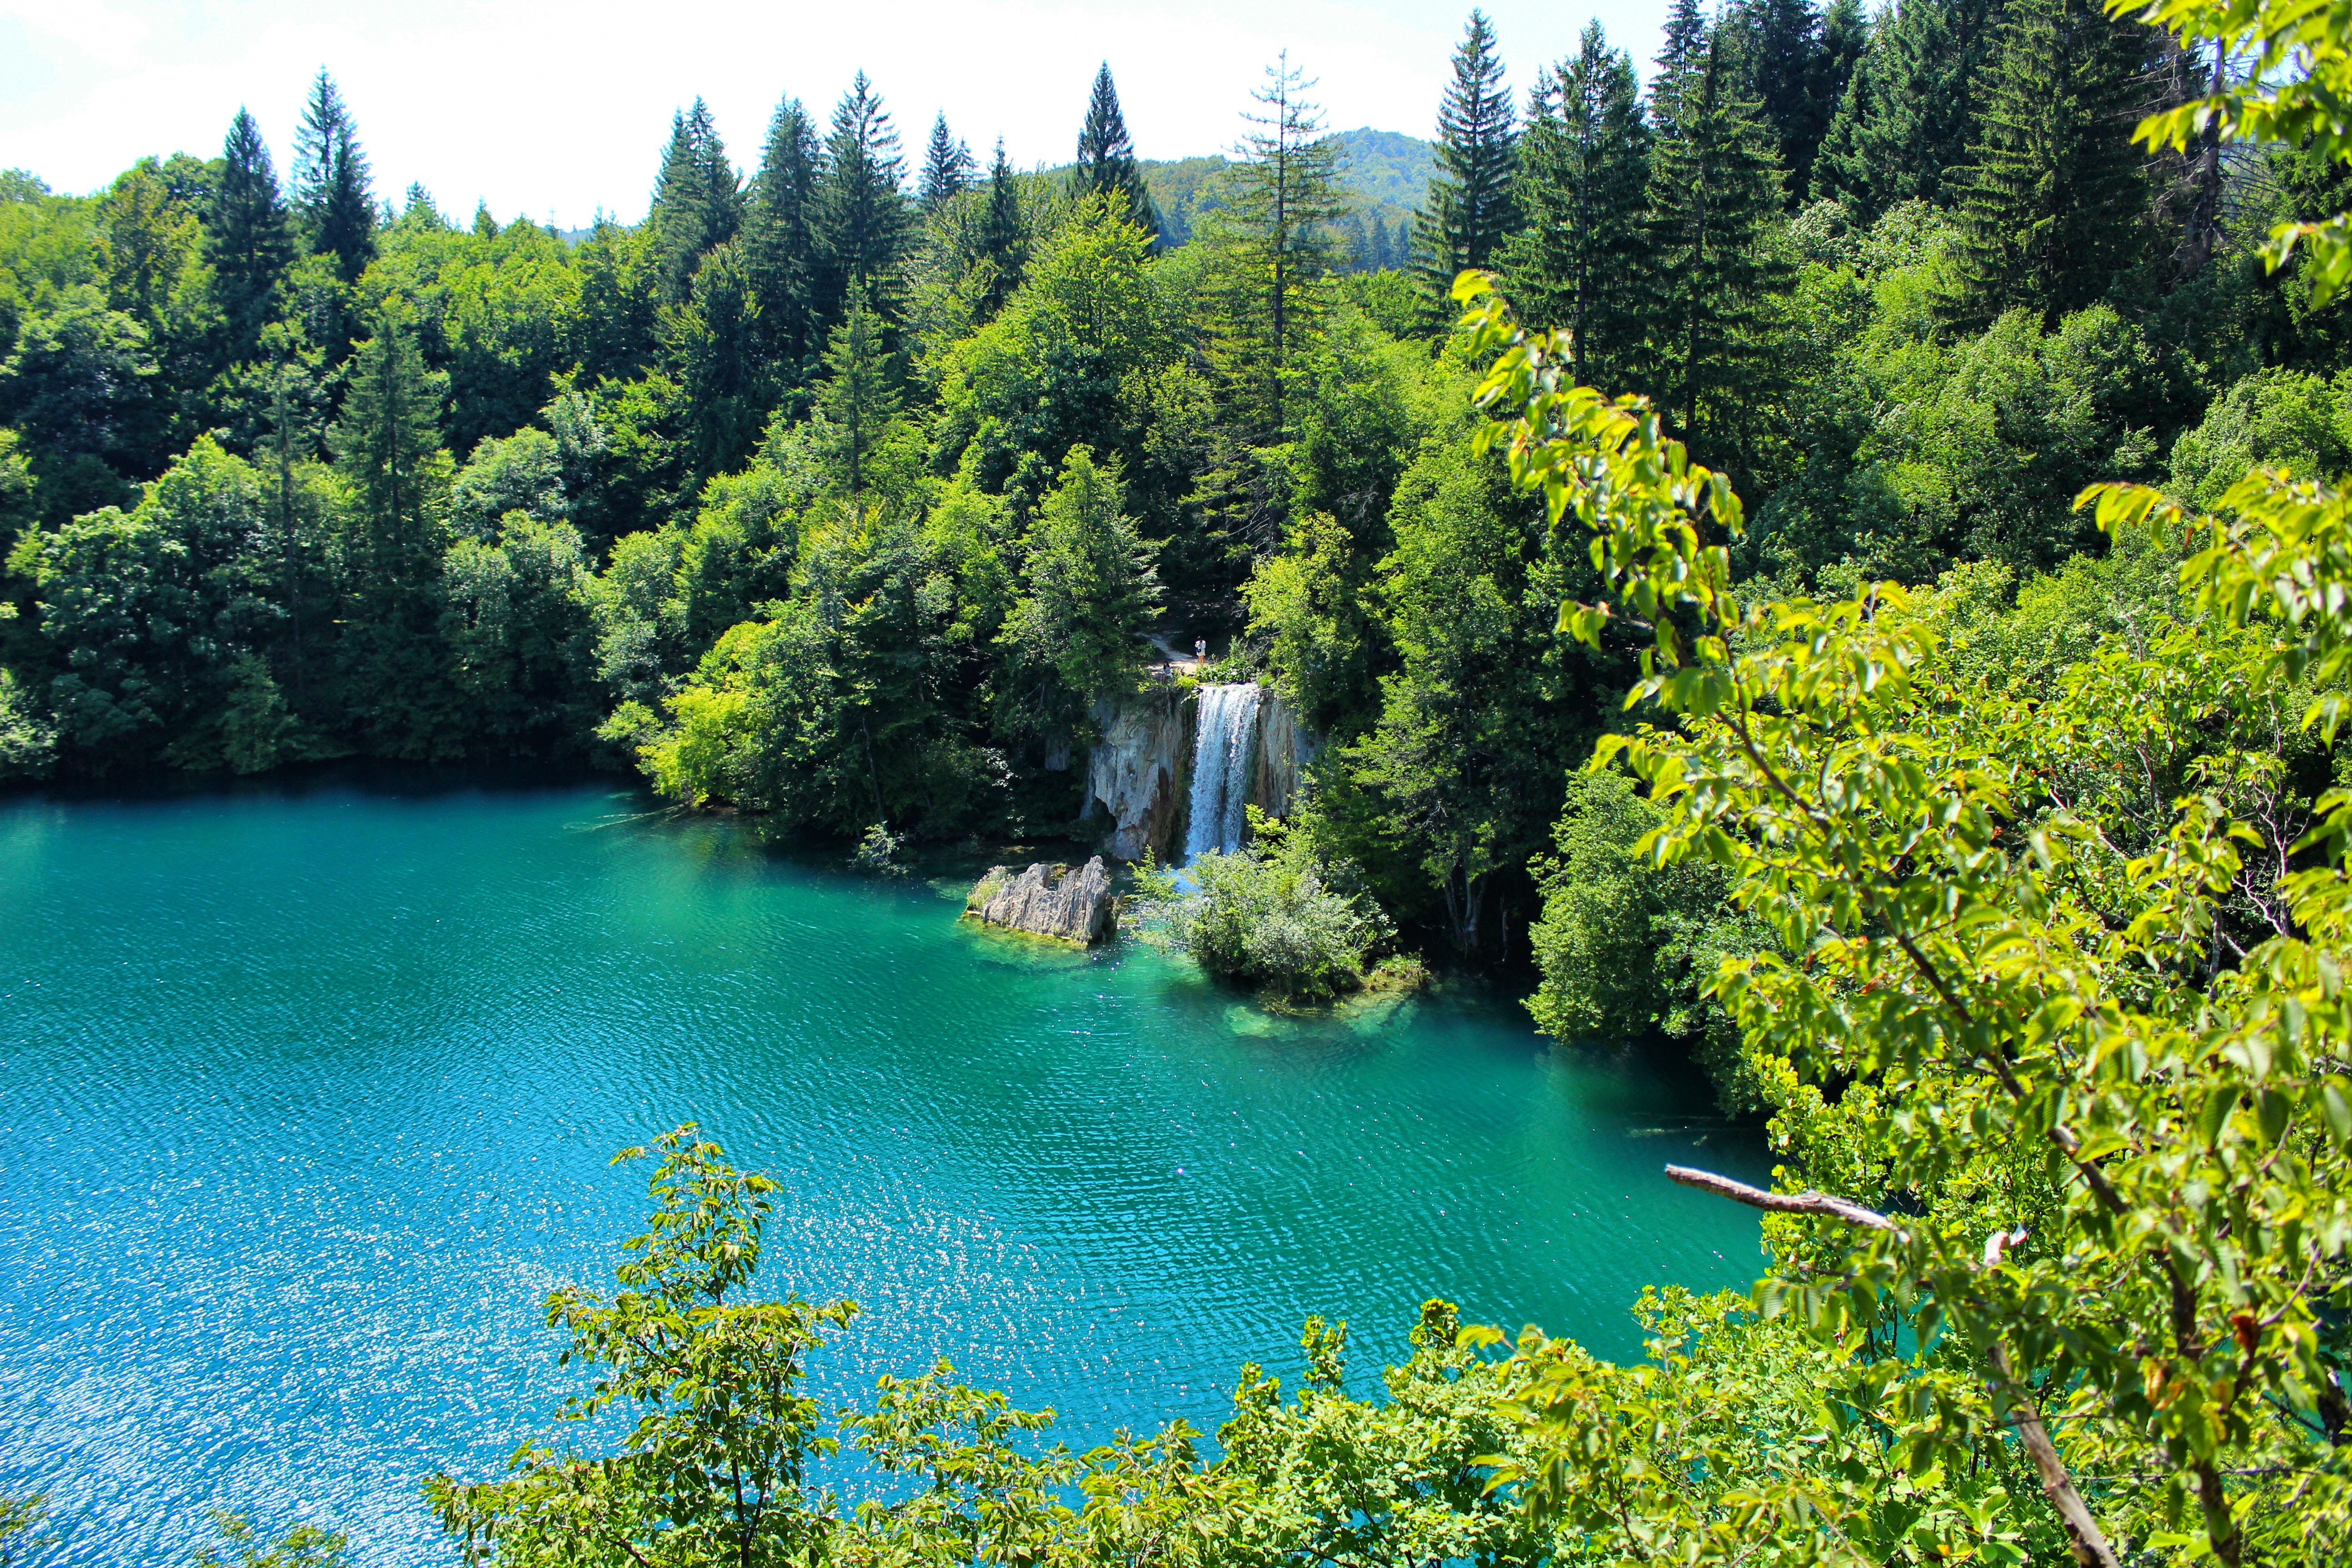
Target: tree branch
{"points": [[2088, 1542], [1782, 1203]]}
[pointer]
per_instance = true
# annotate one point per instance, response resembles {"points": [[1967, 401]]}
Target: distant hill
{"points": [[1382, 172]]}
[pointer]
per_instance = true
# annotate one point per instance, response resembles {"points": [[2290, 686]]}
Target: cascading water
{"points": [[1222, 745]]}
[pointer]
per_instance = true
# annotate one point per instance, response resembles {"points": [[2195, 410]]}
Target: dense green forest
{"points": [[843, 491], [1938, 440]]}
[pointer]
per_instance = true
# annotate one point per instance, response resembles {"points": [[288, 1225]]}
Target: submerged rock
{"points": [[1048, 900]]}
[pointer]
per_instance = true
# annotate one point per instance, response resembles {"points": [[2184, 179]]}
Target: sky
{"points": [[555, 111]]}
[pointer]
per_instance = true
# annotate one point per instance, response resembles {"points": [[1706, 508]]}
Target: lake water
{"points": [[307, 1093]]}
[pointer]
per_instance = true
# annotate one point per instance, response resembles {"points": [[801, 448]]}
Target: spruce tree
{"points": [[2050, 212], [948, 167], [1907, 119], [780, 239], [1787, 68], [1681, 50], [714, 342], [698, 201], [246, 240], [1003, 234], [1577, 263], [1106, 162], [386, 446], [332, 187], [1381, 257], [1273, 246], [1713, 272], [1471, 204], [859, 395], [864, 225]]}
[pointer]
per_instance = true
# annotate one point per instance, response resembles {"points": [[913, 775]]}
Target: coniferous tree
{"points": [[1681, 49], [864, 226], [948, 167], [2049, 212], [246, 240], [780, 236], [698, 201], [1106, 162], [1714, 274], [1909, 116], [714, 340], [1003, 234], [1577, 262], [859, 395], [387, 447], [1784, 52], [1280, 198], [1471, 205], [330, 182], [1381, 257]]}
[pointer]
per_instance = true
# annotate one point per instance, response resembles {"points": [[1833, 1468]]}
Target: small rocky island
{"points": [[1073, 906]]}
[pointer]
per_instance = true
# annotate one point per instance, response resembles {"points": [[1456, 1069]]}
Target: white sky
{"points": [[556, 110]]}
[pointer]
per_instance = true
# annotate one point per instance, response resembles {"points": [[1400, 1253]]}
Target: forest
{"points": [[843, 491], [1929, 417]]}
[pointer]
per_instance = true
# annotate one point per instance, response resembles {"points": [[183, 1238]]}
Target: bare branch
{"points": [[1782, 1203]]}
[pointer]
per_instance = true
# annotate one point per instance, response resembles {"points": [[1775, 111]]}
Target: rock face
{"points": [[1137, 772], [1048, 900], [1144, 772], [1284, 750]]}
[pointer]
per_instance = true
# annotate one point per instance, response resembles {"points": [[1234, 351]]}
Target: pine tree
{"points": [[246, 240], [1908, 115], [1381, 257], [332, 187], [1472, 205], [1004, 236], [387, 448], [2049, 214], [1714, 275], [779, 237], [948, 167], [698, 201], [1583, 182], [1106, 162], [864, 226]]}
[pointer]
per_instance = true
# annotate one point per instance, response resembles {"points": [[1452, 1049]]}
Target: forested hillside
{"points": [[1841, 555], [845, 486], [1381, 180]]}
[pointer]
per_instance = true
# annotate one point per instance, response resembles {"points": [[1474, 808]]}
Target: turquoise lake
{"points": [[308, 1091]]}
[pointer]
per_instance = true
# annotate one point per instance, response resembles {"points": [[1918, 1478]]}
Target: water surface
{"points": [[306, 1095]]}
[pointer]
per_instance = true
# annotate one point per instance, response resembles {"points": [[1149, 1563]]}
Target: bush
{"points": [[1272, 914]]}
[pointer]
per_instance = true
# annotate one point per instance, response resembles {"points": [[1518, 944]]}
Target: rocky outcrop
{"points": [[1055, 901], [1284, 750], [1137, 772]]}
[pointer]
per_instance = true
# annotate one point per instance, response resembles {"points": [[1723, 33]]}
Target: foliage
{"points": [[2043, 1024], [1626, 950], [1468, 211], [304, 1546], [1272, 914], [714, 1466]]}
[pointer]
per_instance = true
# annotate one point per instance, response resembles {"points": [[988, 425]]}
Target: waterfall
{"points": [[1222, 756]]}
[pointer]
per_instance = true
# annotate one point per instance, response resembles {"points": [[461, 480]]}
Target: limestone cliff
{"points": [[1137, 771], [1055, 901]]}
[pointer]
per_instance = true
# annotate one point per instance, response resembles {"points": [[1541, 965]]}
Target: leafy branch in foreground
{"points": [[2010, 1013]]}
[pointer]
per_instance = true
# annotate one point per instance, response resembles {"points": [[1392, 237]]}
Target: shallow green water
{"points": [[306, 1095]]}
